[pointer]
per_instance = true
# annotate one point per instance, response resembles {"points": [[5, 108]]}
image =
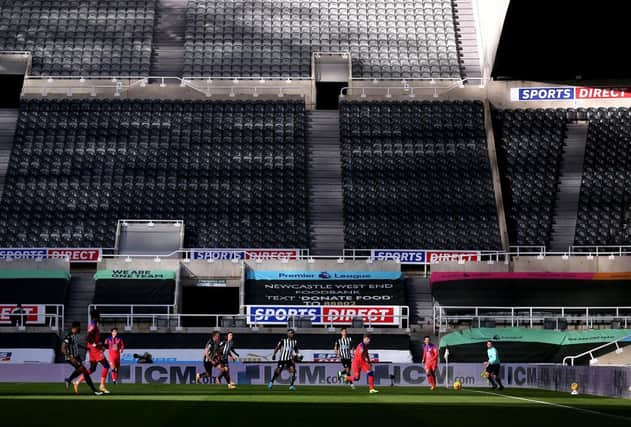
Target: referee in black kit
{"points": [[343, 350]]}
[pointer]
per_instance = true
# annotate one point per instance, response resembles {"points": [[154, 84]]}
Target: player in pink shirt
{"points": [[430, 361], [115, 346]]}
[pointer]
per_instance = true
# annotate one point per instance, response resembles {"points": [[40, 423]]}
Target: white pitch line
{"points": [[558, 405]]}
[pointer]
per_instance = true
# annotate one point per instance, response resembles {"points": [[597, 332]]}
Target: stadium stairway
{"points": [[420, 301], [566, 208], [8, 121], [466, 36], [167, 58], [325, 183], [80, 295]]}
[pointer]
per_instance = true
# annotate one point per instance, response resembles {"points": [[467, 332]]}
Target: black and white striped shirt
{"points": [[72, 346], [228, 348], [287, 348], [344, 347]]}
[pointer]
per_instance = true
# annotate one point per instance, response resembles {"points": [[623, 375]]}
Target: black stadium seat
{"points": [[235, 172], [417, 175]]}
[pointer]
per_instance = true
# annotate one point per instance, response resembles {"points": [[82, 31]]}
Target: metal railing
{"points": [[130, 313], [53, 317], [591, 352], [410, 90], [529, 316]]}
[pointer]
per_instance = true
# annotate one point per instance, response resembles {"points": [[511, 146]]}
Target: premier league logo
{"points": [[324, 275]]}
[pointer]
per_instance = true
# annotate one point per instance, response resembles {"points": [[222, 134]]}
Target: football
{"points": [[457, 385]]}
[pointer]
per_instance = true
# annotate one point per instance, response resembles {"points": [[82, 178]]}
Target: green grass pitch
{"points": [[24, 405]]}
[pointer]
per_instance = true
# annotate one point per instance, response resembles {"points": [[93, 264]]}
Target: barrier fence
{"points": [[46, 315], [444, 316]]}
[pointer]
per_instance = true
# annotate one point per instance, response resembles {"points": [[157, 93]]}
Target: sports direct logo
{"points": [[446, 256], [77, 255], [266, 254], [323, 315], [34, 314], [372, 315], [561, 93]]}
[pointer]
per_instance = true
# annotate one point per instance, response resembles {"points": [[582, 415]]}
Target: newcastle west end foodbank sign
{"points": [[567, 93]]}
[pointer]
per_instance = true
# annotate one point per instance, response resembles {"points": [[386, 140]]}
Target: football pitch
{"points": [[194, 405]]}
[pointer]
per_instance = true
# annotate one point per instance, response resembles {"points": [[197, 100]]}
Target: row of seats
{"points": [[278, 38], [90, 38], [604, 215], [417, 174], [530, 149], [235, 172]]}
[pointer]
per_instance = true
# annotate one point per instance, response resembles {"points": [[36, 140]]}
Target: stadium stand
{"points": [[417, 174], [277, 38], [233, 171], [530, 150], [89, 38], [604, 216]]}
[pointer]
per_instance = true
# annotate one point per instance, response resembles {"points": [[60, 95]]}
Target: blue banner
{"points": [[24, 253], [542, 94], [269, 314], [403, 256], [217, 254], [323, 275]]}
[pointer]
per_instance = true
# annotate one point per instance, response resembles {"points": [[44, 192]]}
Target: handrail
{"points": [[54, 320], [590, 352]]}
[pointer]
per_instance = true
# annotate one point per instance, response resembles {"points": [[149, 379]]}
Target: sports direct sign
{"points": [[323, 315], [77, 255], [35, 314], [422, 256], [566, 93], [243, 254]]}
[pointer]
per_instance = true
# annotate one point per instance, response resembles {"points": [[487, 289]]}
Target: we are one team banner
{"points": [[566, 93]]}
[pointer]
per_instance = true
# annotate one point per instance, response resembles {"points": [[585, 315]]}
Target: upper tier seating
{"points": [[235, 172], [530, 149], [604, 215], [386, 39], [417, 175], [72, 37]]}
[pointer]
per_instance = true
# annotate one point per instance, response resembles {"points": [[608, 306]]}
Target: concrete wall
{"points": [[556, 264], [229, 271], [45, 264]]}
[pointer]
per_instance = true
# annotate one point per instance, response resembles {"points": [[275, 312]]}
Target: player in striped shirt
{"points": [[344, 352], [227, 353], [289, 353], [212, 356], [70, 350]]}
